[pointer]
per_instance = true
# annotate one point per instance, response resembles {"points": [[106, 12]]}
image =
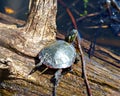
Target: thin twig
{"points": [[80, 50], [69, 6], [72, 18], [83, 68]]}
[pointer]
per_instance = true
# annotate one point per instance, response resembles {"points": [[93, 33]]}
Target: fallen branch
{"points": [[12, 19]]}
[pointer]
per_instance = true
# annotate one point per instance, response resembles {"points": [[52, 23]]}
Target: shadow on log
{"points": [[20, 46]]}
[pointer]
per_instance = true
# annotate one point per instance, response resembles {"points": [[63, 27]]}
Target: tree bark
{"points": [[20, 46]]}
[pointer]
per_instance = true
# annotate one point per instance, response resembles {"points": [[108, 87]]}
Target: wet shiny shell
{"points": [[58, 54]]}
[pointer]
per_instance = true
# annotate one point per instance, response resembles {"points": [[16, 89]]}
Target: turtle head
{"points": [[71, 36]]}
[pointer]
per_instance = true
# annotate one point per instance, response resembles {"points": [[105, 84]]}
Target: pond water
{"points": [[15, 8], [91, 17]]}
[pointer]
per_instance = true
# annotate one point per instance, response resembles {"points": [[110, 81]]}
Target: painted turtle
{"points": [[59, 55]]}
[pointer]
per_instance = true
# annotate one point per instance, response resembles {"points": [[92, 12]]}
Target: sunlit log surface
{"points": [[102, 71], [17, 57]]}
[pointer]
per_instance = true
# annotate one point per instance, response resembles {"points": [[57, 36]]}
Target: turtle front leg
{"points": [[36, 67], [38, 64], [56, 80]]}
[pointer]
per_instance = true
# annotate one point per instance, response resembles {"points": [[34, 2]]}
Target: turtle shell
{"points": [[58, 54]]}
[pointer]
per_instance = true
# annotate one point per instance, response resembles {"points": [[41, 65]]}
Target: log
{"points": [[11, 19], [102, 71], [18, 55]]}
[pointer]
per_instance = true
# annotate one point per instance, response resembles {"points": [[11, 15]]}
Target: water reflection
{"points": [[88, 16], [15, 8]]}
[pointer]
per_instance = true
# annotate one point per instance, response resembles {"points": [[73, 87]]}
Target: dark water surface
{"points": [[90, 25], [80, 8], [15, 8]]}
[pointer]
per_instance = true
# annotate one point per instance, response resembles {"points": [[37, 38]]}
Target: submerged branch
{"points": [[12, 19]]}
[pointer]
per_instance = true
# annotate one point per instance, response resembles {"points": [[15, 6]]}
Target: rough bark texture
{"points": [[42, 20], [19, 46]]}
